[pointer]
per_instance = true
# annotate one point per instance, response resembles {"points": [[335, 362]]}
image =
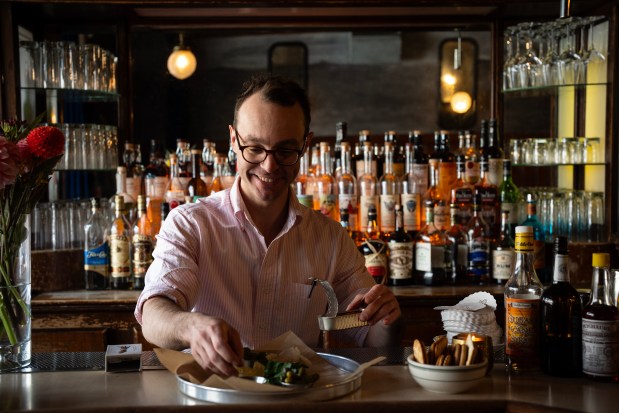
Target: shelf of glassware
{"points": [[533, 165], [548, 90], [76, 95]]}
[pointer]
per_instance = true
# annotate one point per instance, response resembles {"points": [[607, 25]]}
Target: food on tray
{"points": [[287, 367], [441, 353]]}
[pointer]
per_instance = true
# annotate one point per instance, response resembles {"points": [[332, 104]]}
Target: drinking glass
{"points": [[58, 226], [549, 62], [530, 66], [30, 63], [570, 63], [509, 80], [594, 60], [595, 228]]}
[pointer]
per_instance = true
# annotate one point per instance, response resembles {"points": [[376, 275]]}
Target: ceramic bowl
{"points": [[446, 379]]}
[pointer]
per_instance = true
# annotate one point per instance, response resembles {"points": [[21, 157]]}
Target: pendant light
{"points": [[182, 62]]}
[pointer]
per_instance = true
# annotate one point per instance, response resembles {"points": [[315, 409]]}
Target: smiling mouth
{"points": [[265, 179]]}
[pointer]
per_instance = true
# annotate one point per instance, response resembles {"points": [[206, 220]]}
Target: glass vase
{"points": [[15, 285]]}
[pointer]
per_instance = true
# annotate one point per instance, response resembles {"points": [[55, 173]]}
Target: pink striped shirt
{"points": [[211, 258]]}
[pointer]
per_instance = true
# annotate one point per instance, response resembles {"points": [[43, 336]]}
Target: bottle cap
{"points": [[524, 229], [600, 259]]}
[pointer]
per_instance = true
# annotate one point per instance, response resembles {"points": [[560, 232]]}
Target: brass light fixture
{"points": [[182, 62]]}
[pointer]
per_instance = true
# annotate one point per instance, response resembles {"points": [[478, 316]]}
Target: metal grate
{"points": [[66, 361]]}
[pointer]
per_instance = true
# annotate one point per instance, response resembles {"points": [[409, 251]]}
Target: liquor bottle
{"points": [[398, 155], [218, 173], [490, 203], [347, 190], [364, 138], [304, 182], [341, 130], [494, 154], [410, 195], [462, 193], [447, 171], [441, 205], [561, 337], [503, 254], [435, 156], [433, 253], [539, 239], [156, 177], [374, 248], [389, 193], [228, 174], [523, 292], [325, 188], [600, 326], [368, 189], [478, 238], [175, 192], [208, 162], [142, 245], [120, 234], [121, 189], [459, 238], [183, 157], [379, 159], [472, 169], [420, 167], [134, 170], [96, 250], [400, 252], [509, 195], [196, 188]]}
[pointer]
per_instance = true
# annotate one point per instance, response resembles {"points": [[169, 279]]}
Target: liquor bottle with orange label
{"points": [[523, 292]]}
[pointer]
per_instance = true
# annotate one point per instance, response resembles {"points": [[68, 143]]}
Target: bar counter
{"points": [[384, 388]]}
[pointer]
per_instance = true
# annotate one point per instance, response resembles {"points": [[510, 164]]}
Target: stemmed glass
{"points": [[509, 78], [550, 68], [530, 66], [570, 62], [594, 60]]}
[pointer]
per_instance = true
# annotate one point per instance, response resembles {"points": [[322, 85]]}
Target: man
{"points": [[232, 269]]}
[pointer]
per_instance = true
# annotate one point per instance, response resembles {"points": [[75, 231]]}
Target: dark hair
{"points": [[275, 89]]}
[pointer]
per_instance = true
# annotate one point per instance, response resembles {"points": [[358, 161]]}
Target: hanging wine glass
{"points": [[549, 61], [594, 60], [510, 59], [569, 63], [530, 67]]}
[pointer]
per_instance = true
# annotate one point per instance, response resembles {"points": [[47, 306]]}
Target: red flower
{"points": [[45, 142], [26, 156]]}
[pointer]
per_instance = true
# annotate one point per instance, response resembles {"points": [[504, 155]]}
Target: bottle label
{"points": [[479, 252], [502, 264], [600, 347], [120, 259], [387, 212], [521, 326], [441, 217], [411, 211], [495, 171], [513, 213], [134, 187], [376, 262], [349, 202], [307, 200], [420, 172], [156, 187], [142, 254], [400, 260], [327, 205], [365, 202], [447, 177], [462, 255], [472, 172], [524, 242], [561, 268], [489, 206], [423, 256], [97, 259]]}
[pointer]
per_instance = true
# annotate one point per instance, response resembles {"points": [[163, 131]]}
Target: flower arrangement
{"points": [[28, 155]]}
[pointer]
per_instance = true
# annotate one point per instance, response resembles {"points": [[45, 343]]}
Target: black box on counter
{"points": [[123, 358]]}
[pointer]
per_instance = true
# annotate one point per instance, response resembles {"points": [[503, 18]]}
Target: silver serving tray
{"points": [[325, 391]]}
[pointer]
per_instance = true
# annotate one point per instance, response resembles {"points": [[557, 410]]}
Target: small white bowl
{"points": [[446, 379]]}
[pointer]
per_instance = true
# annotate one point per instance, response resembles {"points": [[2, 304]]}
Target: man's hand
{"points": [[215, 345], [380, 304]]}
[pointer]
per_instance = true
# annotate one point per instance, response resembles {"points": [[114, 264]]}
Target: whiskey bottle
{"points": [[434, 263], [458, 236], [400, 252], [462, 193], [304, 183], [523, 292], [600, 326], [410, 196], [142, 245], [175, 192], [196, 187], [494, 154], [489, 197], [388, 193], [561, 337], [509, 195], [420, 167], [368, 189], [374, 249], [503, 255], [325, 188], [96, 250], [120, 234], [478, 239], [348, 198]]}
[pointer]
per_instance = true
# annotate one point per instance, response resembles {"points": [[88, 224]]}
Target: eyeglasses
{"points": [[257, 155]]}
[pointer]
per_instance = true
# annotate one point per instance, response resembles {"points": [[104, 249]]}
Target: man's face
{"points": [[269, 126]]}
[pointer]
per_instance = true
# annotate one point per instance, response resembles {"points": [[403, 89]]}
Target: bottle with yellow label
{"points": [[523, 292]]}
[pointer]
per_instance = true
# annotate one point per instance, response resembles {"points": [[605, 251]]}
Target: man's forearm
{"points": [[164, 323]]}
